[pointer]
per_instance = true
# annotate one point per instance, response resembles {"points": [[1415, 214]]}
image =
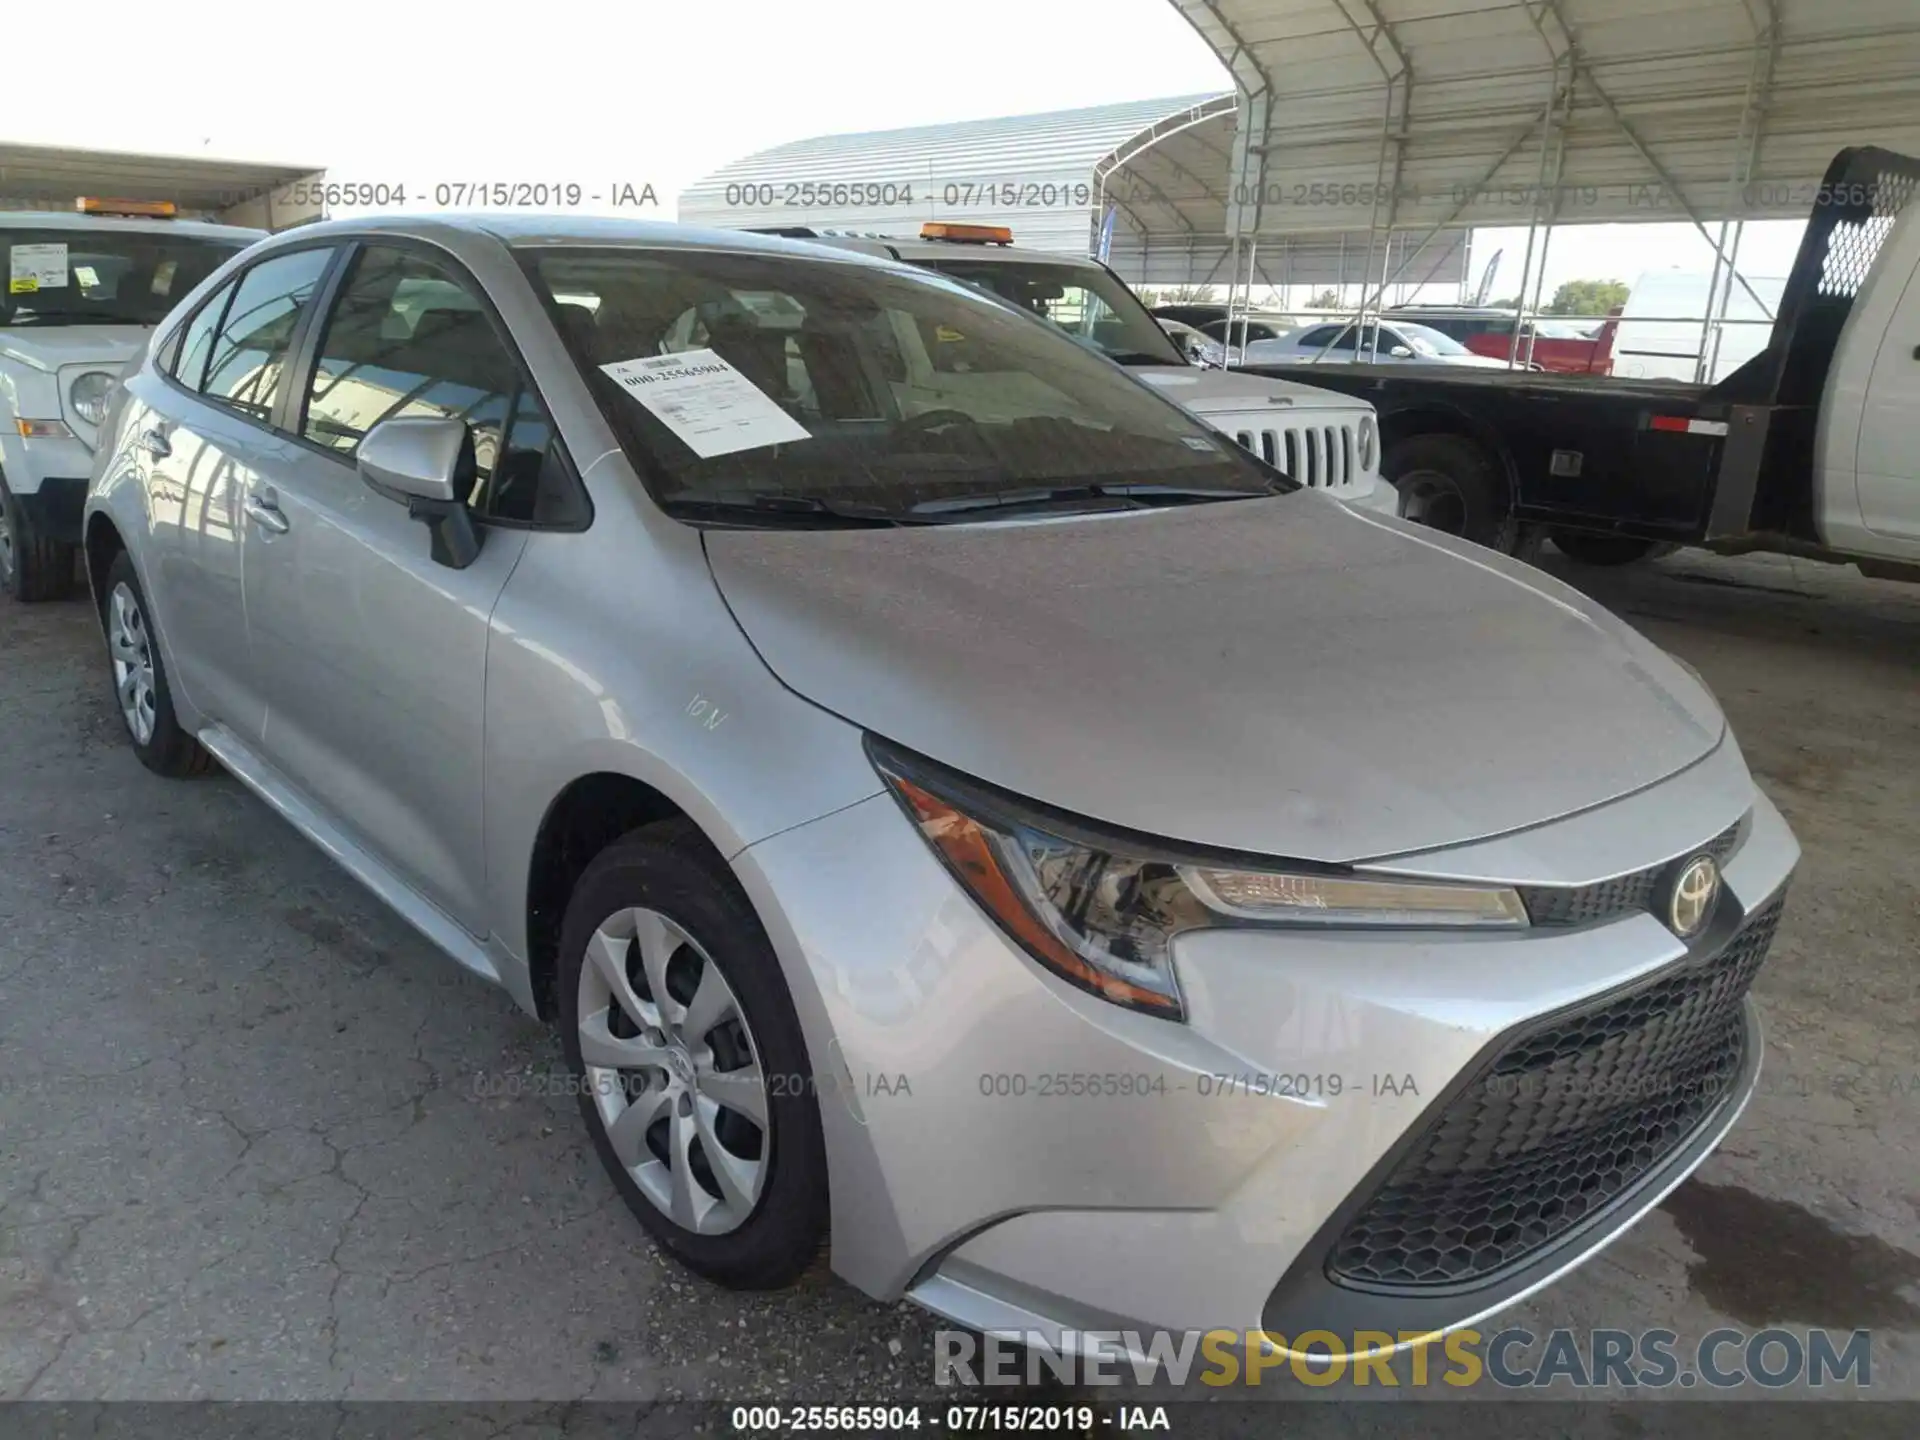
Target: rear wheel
{"points": [[691, 1067], [32, 567], [1452, 484], [1591, 549]]}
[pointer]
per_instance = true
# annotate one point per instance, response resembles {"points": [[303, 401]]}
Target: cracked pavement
{"points": [[257, 1140]]}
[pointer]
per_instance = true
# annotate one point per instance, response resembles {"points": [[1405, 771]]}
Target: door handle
{"points": [[156, 444], [264, 512]]}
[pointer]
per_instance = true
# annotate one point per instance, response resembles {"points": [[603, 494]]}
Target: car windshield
{"points": [[782, 385], [1423, 340], [1083, 300], [102, 277]]}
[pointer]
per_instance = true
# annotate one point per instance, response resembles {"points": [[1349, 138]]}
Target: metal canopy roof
{"points": [[36, 177], [1170, 183], [1412, 114], [892, 180], [1042, 177]]}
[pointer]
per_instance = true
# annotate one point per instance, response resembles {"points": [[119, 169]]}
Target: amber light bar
{"points": [[148, 209], [966, 234]]}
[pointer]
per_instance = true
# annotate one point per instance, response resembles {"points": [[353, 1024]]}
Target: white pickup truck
{"points": [[82, 292], [1324, 440]]}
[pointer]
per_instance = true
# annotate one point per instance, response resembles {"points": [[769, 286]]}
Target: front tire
{"points": [[689, 1060], [32, 567], [1591, 549], [140, 689], [1452, 484]]}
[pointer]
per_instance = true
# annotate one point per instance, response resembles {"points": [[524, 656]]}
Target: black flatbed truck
{"points": [[1613, 470]]}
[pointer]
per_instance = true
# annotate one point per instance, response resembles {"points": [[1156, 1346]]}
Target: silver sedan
{"points": [[957, 808], [1338, 342]]}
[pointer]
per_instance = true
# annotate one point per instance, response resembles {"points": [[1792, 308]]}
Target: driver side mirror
{"points": [[1194, 347], [1400, 352], [428, 463]]}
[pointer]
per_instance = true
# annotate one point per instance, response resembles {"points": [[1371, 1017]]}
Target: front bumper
{"points": [[54, 509], [48, 478], [1022, 1157]]}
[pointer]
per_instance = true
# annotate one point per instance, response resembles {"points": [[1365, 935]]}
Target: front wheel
{"points": [[689, 1060], [1592, 549], [32, 567]]}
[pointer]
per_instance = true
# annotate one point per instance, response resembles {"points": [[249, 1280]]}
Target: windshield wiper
{"points": [[1142, 494], [800, 509], [1141, 357]]}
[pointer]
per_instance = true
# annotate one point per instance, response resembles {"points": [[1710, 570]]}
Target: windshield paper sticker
{"points": [[706, 402], [37, 267]]}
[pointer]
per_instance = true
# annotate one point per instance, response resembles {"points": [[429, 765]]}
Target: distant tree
{"points": [[1587, 297], [1325, 300], [1177, 295], [1512, 303]]}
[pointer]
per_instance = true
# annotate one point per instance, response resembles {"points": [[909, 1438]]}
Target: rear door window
{"points": [[250, 352], [190, 364], [1335, 337]]}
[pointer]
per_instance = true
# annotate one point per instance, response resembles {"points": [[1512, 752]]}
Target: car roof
{"points": [[535, 231], [140, 225]]}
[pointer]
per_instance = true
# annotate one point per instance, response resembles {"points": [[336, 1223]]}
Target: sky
{"points": [[650, 92]]}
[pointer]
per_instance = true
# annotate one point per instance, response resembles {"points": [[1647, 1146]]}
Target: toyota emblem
{"points": [[1690, 902]]}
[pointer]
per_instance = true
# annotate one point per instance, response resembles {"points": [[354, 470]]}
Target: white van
{"points": [[1664, 320]]}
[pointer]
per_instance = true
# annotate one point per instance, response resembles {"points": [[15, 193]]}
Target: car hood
{"points": [[1282, 676], [50, 347], [1221, 392]]}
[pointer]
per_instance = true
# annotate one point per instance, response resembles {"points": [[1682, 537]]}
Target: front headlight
{"points": [[1101, 910], [1367, 443], [89, 396]]}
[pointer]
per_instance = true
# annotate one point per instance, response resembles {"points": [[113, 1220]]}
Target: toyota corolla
{"points": [[958, 808]]}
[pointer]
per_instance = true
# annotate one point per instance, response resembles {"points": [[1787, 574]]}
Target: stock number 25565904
{"points": [[1071, 1083]]}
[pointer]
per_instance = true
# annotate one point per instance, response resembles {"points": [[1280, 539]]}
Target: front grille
{"points": [[1564, 1119], [1563, 905], [1321, 457]]}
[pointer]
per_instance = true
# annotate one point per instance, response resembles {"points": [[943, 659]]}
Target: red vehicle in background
{"points": [[1571, 347]]}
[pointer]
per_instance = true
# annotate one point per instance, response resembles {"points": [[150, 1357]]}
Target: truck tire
{"points": [[1591, 549], [32, 567], [1453, 485]]}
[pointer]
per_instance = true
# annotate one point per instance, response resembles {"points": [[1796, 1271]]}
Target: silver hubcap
{"points": [[674, 1071], [1428, 497], [6, 543], [132, 650]]}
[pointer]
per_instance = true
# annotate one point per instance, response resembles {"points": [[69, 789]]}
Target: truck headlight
{"points": [[1101, 910], [89, 396], [1367, 442]]}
